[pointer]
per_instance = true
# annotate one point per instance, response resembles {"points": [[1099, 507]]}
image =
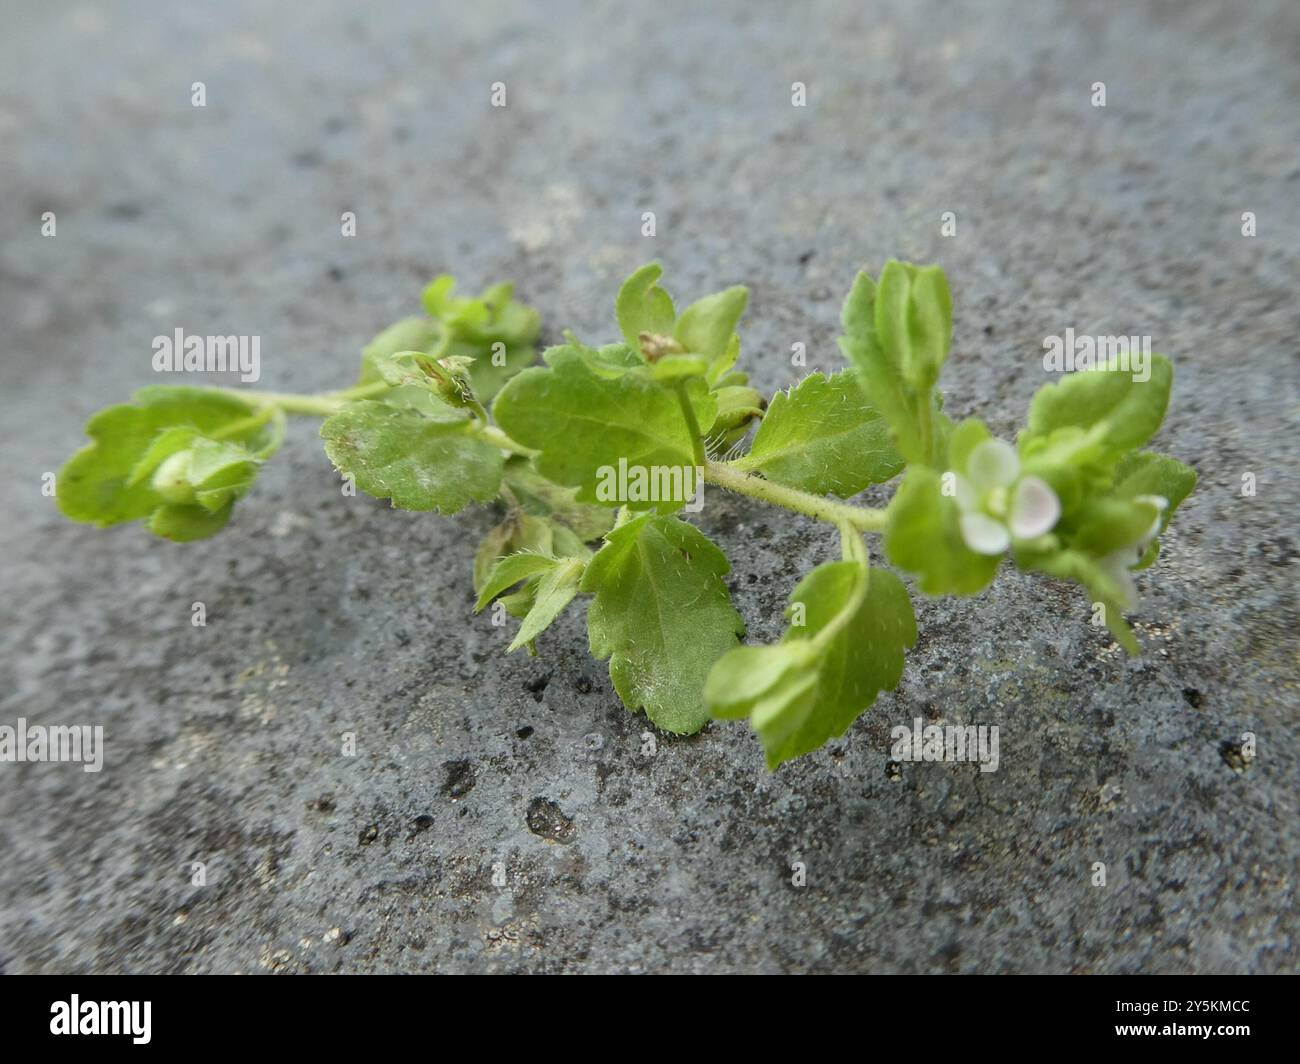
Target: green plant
{"points": [[1075, 498]]}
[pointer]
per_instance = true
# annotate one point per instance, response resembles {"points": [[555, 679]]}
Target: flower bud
{"points": [[171, 478], [738, 406]]}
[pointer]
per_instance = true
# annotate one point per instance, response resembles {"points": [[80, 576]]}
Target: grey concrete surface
{"points": [[328, 614]]}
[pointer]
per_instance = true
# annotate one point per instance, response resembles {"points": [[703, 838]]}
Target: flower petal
{"points": [[1161, 504], [993, 464], [984, 535], [1035, 508], [1116, 566], [965, 493]]}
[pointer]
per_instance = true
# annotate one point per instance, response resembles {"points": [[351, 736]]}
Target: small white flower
{"points": [[1119, 563], [997, 504]]}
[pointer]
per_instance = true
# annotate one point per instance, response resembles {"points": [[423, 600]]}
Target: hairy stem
{"points": [[692, 424], [495, 436], [802, 502], [245, 425], [831, 511], [313, 405]]}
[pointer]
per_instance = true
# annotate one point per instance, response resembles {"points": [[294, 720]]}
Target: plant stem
{"points": [[494, 435], [853, 552], [692, 424], [801, 502], [831, 511], [243, 425], [317, 405], [925, 417]]}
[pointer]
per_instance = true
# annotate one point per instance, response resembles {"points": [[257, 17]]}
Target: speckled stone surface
{"points": [[329, 614]]}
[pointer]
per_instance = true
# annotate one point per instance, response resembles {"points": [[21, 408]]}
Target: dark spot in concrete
{"points": [[537, 685], [524, 732], [806, 257], [460, 779], [1233, 756], [547, 820], [583, 686], [1193, 697], [336, 274], [125, 212], [893, 770], [423, 822], [1278, 551], [308, 160], [323, 804], [368, 834]]}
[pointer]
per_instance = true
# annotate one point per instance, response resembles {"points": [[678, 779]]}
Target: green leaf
{"points": [[550, 584], [708, 327], [720, 369], [669, 367], [508, 319], [1079, 567], [814, 684], [508, 572], [167, 443], [441, 303], [220, 471], [583, 423], [892, 331], [964, 439], [662, 615], [642, 306], [858, 314], [446, 378], [492, 367], [738, 407], [924, 537], [109, 482], [897, 335], [518, 532], [420, 461], [1106, 525], [1119, 411], [544, 498], [543, 517], [612, 360], [184, 524], [554, 590], [823, 437], [1149, 473], [929, 324], [409, 334], [494, 330]]}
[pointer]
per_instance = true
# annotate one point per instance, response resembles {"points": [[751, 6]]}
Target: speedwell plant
{"points": [[449, 410]]}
